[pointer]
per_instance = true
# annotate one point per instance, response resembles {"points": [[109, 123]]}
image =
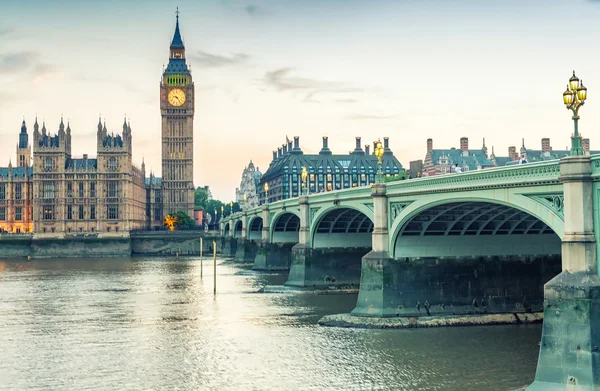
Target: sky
{"points": [[263, 70]]}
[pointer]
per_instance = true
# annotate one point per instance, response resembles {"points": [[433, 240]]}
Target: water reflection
{"points": [[153, 323]]}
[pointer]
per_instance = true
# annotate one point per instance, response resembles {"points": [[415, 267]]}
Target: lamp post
{"points": [[215, 223], [222, 211], [379, 153], [230, 208], [304, 177], [266, 187], [574, 97], [245, 202]]}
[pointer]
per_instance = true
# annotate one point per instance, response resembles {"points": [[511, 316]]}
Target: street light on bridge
{"points": [[304, 177], [266, 187], [230, 208], [245, 202], [574, 97], [379, 153]]}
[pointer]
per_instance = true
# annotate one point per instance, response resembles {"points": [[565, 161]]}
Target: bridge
{"points": [[478, 242]]}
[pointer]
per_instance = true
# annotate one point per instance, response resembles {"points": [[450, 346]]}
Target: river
{"points": [[154, 324]]}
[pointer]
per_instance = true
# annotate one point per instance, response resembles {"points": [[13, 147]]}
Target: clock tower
{"points": [[177, 114]]}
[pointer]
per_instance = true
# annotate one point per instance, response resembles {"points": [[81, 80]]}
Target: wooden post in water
{"points": [[215, 267], [201, 268]]}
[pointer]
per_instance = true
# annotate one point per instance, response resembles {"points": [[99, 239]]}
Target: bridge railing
{"points": [[546, 172]]}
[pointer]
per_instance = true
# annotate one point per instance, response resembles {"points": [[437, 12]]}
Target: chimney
{"points": [[279, 152], [586, 146], [374, 146], [296, 142], [545, 144], [367, 149], [464, 144], [429, 145], [358, 143], [512, 153], [274, 154], [386, 142], [85, 156], [325, 150], [325, 142]]}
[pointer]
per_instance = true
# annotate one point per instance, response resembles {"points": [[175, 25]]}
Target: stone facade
{"points": [[16, 187], [70, 195], [249, 187], [326, 171], [177, 112]]}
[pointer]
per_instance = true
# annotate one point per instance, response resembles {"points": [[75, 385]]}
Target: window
{"points": [[18, 191], [113, 189], [444, 170], [69, 212], [93, 189], [107, 229], [22, 161], [69, 189], [92, 212], [18, 213], [48, 212], [157, 216], [81, 189], [48, 190], [81, 212], [112, 211], [48, 163], [329, 177], [2, 191], [112, 164], [2, 213]]}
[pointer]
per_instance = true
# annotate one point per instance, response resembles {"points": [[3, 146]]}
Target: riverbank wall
{"points": [[108, 244]]}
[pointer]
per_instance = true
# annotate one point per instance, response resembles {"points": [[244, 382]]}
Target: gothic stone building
{"points": [[247, 194], [16, 186], [177, 112], [105, 194]]}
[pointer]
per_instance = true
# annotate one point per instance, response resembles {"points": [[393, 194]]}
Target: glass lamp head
{"points": [[304, 174], [574, 82], [568, 97], [582, 92], [266, 187]]}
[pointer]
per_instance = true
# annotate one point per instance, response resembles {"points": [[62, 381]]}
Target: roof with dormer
{"points": [[473, 159], [81, 164]]}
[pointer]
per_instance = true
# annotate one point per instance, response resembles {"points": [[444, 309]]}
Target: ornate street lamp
{"points": [[222, 212], [245, 207], [574, 97], [266, 187], [379, 153], [304, 177], [230, 208]]}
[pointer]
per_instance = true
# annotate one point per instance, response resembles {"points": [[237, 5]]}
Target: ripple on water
{"points": [[138, 323]]}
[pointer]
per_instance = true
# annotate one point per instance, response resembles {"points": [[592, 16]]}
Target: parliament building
{"points": [[57, 193]]}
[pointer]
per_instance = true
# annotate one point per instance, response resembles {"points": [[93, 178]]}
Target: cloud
{"points": [[208, 60], [252, 9], [45, 72], [361, 117], [281, 81], [17, 61], [5, 31]]}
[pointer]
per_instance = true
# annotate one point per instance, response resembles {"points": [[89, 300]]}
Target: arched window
{"points": [[112, 164], [48, 163]]}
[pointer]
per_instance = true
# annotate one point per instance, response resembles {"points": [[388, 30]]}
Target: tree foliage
{"points": [[178, 219], [201, 202], [401, 176]]}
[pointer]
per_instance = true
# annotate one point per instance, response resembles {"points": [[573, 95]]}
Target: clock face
{"points": [[176, 97]]}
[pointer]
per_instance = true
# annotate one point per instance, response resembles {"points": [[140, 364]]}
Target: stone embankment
{"points": [[348, 320]]}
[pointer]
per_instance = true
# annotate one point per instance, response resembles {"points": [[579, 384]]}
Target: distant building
{"points": [[443, 161], [325, 170], [16, 190], [537, 155], [416, 169], [251, 177]]}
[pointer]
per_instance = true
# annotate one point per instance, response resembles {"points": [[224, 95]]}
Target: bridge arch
{"points": [[226, 230], [460, 218], [255, 226], [342, 226], [285, 227], [237, 229]]}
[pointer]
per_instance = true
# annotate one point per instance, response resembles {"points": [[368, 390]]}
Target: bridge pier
{"points": [[273, 256], [570, 347], [229, 243], [245, 249]]}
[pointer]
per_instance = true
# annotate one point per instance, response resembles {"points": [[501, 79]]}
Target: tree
{"points": [[178, 219], [401, 176], [200, 199], [183, 219]]}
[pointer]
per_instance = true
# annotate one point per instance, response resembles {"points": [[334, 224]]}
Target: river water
{"points": [[154, 324]]}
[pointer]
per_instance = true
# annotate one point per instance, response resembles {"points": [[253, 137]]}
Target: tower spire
{"points": [[177, 42]]}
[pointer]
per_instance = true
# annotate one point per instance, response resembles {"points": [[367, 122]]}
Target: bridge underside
{"points": [[460, 258], [340, 239]]}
